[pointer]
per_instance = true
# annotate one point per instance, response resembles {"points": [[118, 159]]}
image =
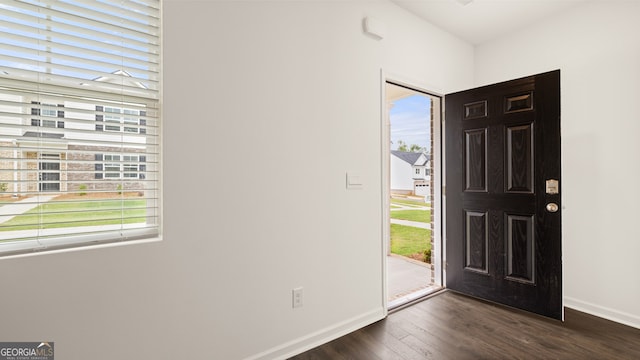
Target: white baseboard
{"points": [[335, 331], [603, 312], [320, 337]]}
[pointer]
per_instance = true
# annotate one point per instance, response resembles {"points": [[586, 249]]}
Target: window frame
{"points": [[117, 82]]}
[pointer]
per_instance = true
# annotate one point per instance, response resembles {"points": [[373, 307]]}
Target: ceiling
{"points": [[484, 20]]}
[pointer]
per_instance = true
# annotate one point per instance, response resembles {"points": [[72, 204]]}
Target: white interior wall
{"points": [[597, 49], [266, 106]]}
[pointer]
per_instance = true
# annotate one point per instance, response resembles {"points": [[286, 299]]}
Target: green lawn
{"points": [[85, 213], [412, 215], [408, 240]]}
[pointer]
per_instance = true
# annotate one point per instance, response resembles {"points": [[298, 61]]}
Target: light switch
{"points": [[354, 181]]}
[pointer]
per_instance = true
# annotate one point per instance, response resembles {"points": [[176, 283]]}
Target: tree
{"points": [[416, 148], [402, 146]]}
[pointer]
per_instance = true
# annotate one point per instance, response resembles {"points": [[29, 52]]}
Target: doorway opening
{"points": [[413, 242], [49, 172]]}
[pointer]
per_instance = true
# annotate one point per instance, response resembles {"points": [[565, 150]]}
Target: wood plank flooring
{"points": [[453, 326]]}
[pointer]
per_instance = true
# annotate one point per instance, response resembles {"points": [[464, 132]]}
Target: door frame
{"points": [[437, 161]]}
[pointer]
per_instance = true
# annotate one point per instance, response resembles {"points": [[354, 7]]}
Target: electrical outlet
{"points": [[297, 297]]}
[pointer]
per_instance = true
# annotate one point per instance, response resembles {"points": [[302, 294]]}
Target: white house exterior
{"points": [[410, 173], [97, 145]]}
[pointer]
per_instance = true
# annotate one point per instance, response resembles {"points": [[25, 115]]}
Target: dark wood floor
{"points": [[452, 326]]}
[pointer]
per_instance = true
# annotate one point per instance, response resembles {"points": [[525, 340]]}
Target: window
{"points": [[116, 119], [112, 167], [117, 166], [79, 90], [47, 110], [417, 171]]}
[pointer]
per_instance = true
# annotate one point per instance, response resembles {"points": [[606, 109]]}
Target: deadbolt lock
{"points": [[552, 186]]}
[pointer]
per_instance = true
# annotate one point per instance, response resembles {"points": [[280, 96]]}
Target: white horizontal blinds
{"points": [[107, 45], [79, 122]]}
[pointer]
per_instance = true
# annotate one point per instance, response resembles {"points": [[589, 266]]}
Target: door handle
{"points": [[552, 207]]}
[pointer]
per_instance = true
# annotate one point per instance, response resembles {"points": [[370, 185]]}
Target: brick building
{"points": [[91, 145]]}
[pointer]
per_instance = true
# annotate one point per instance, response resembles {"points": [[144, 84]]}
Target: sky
{"points": [[410, 121]]}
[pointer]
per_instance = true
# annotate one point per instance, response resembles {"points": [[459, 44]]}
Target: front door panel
{"points": [[502, 145]]}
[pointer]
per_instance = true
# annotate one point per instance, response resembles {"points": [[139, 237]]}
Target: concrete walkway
{"points": [[399, 207], [411, 223], [407, 279], [10, 210]]}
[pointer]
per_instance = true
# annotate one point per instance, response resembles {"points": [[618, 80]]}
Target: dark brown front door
{"points": [[502, 158]]}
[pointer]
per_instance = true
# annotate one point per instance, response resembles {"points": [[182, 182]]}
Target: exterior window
{"points": [[112, 167], [49, 123], [122, 167], [130, 118], [112, 119], [118, 120], [130, 167], [50, 111], [417, 171]]}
